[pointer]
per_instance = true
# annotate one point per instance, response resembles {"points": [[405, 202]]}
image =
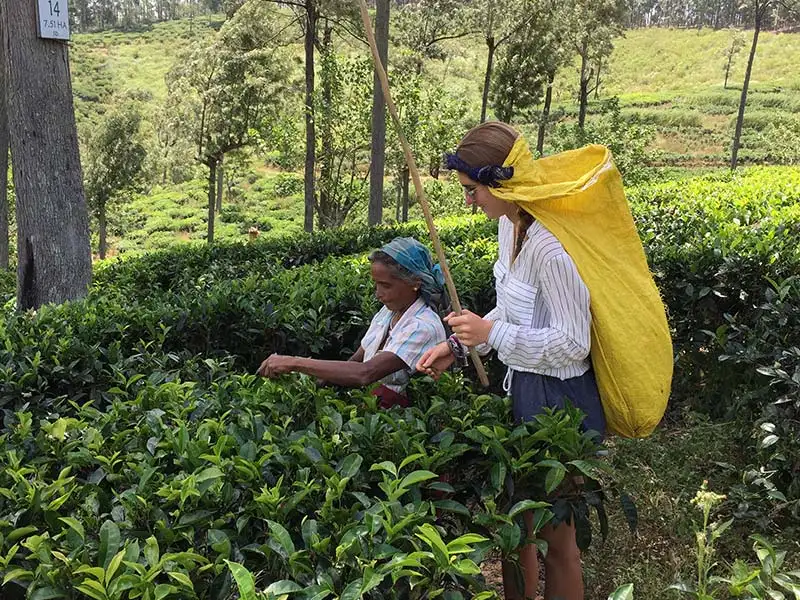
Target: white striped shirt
{"points": [[542, 318], [418, 330]]}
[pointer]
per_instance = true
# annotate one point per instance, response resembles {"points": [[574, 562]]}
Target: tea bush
{"points": [[129, 438], [316, 491]]}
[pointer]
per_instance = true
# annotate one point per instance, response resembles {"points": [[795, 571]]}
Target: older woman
{"points": [[410, 287]]}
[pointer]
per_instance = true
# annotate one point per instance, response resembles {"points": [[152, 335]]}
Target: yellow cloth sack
{"points": [[578, 196]]}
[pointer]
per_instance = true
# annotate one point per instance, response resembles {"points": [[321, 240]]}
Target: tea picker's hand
{"points": [[436, 360], [276, 365]]}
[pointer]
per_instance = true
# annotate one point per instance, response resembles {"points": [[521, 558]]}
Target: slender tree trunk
{"points": [[377, 163], [101, 218], [54, 257], [311, 28], [399, 195], [406, 179], [326, 183], [487, 81], [743, 99], [220, 182], [548, 98], [727, 70], [597, 79], [212, 186], [584, 91], [487, 78], [3, 151]]}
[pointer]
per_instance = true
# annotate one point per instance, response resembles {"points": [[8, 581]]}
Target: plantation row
{"points": [[186, 265], [312, 490], [175, 457]]}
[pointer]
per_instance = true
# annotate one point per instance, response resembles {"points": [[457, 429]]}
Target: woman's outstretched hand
{"points": [[276, 365]]}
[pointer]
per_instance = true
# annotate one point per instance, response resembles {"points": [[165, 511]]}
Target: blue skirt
{"points": [[532, 392]]}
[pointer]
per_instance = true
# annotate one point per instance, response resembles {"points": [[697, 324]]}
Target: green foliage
{"points": [[529, 60], [767, 581], [344, 103], [164, 490], [422, 27], [116, 157], [629, 142], [288, 184], [229, 88]]}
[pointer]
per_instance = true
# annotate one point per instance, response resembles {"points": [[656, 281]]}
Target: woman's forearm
{"points": [[348, 373]]}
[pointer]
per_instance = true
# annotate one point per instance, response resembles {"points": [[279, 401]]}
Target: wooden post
{"points": [[423, 200]]}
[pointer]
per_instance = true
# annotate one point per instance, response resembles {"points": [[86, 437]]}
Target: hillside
{"points": [[669, 80]]}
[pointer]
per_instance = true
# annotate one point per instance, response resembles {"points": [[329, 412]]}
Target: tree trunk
{"points": [[727, 70], [548, 98], [311, 28], [743, 99], [326, 183], [584, 92], [405, 194], [378, 160], [487, 79], [212, 186], [220, 182], [597, 79], [54, 257], [3, 152], [399, 193], [101, 218]]}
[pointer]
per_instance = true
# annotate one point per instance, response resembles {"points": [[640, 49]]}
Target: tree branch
{"points": [[289, 3], [454, 36]]}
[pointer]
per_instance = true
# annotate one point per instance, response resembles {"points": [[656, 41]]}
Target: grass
{"points": [[672, 79], [679, 60], [663, 473], [167, 215]]}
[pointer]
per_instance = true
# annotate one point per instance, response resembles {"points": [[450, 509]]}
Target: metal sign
{"points": [[53, 19]]}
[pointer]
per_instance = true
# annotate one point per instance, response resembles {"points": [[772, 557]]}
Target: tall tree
{"points": [[592, 26], [431, 119], [232, 87], [308, 15], [529, 63], [501, 20], [760, 9], [343, 112], [3, 152], [736, 43], [53, 256], [422, 27], [310, 35], [114, 164], [377, 162]]}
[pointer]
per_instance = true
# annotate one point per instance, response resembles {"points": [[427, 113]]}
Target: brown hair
{"points": [[487, 144], [490, 144]]}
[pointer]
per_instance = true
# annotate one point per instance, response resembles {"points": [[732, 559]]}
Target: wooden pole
{"points": [[412, 167]]}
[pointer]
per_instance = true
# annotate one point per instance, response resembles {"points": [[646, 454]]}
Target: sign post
{"points": [[53, 16]]}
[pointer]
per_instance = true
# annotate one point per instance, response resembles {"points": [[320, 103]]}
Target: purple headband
{"points": [[490, 175]]}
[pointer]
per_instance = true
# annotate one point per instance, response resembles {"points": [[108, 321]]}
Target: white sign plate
{"points": [[53, 19]]}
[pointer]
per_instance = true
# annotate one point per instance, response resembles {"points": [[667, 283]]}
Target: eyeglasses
{"points": [[470, 190]]}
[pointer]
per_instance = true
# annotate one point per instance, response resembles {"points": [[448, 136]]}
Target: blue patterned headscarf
{"points": [[416, 259]]}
